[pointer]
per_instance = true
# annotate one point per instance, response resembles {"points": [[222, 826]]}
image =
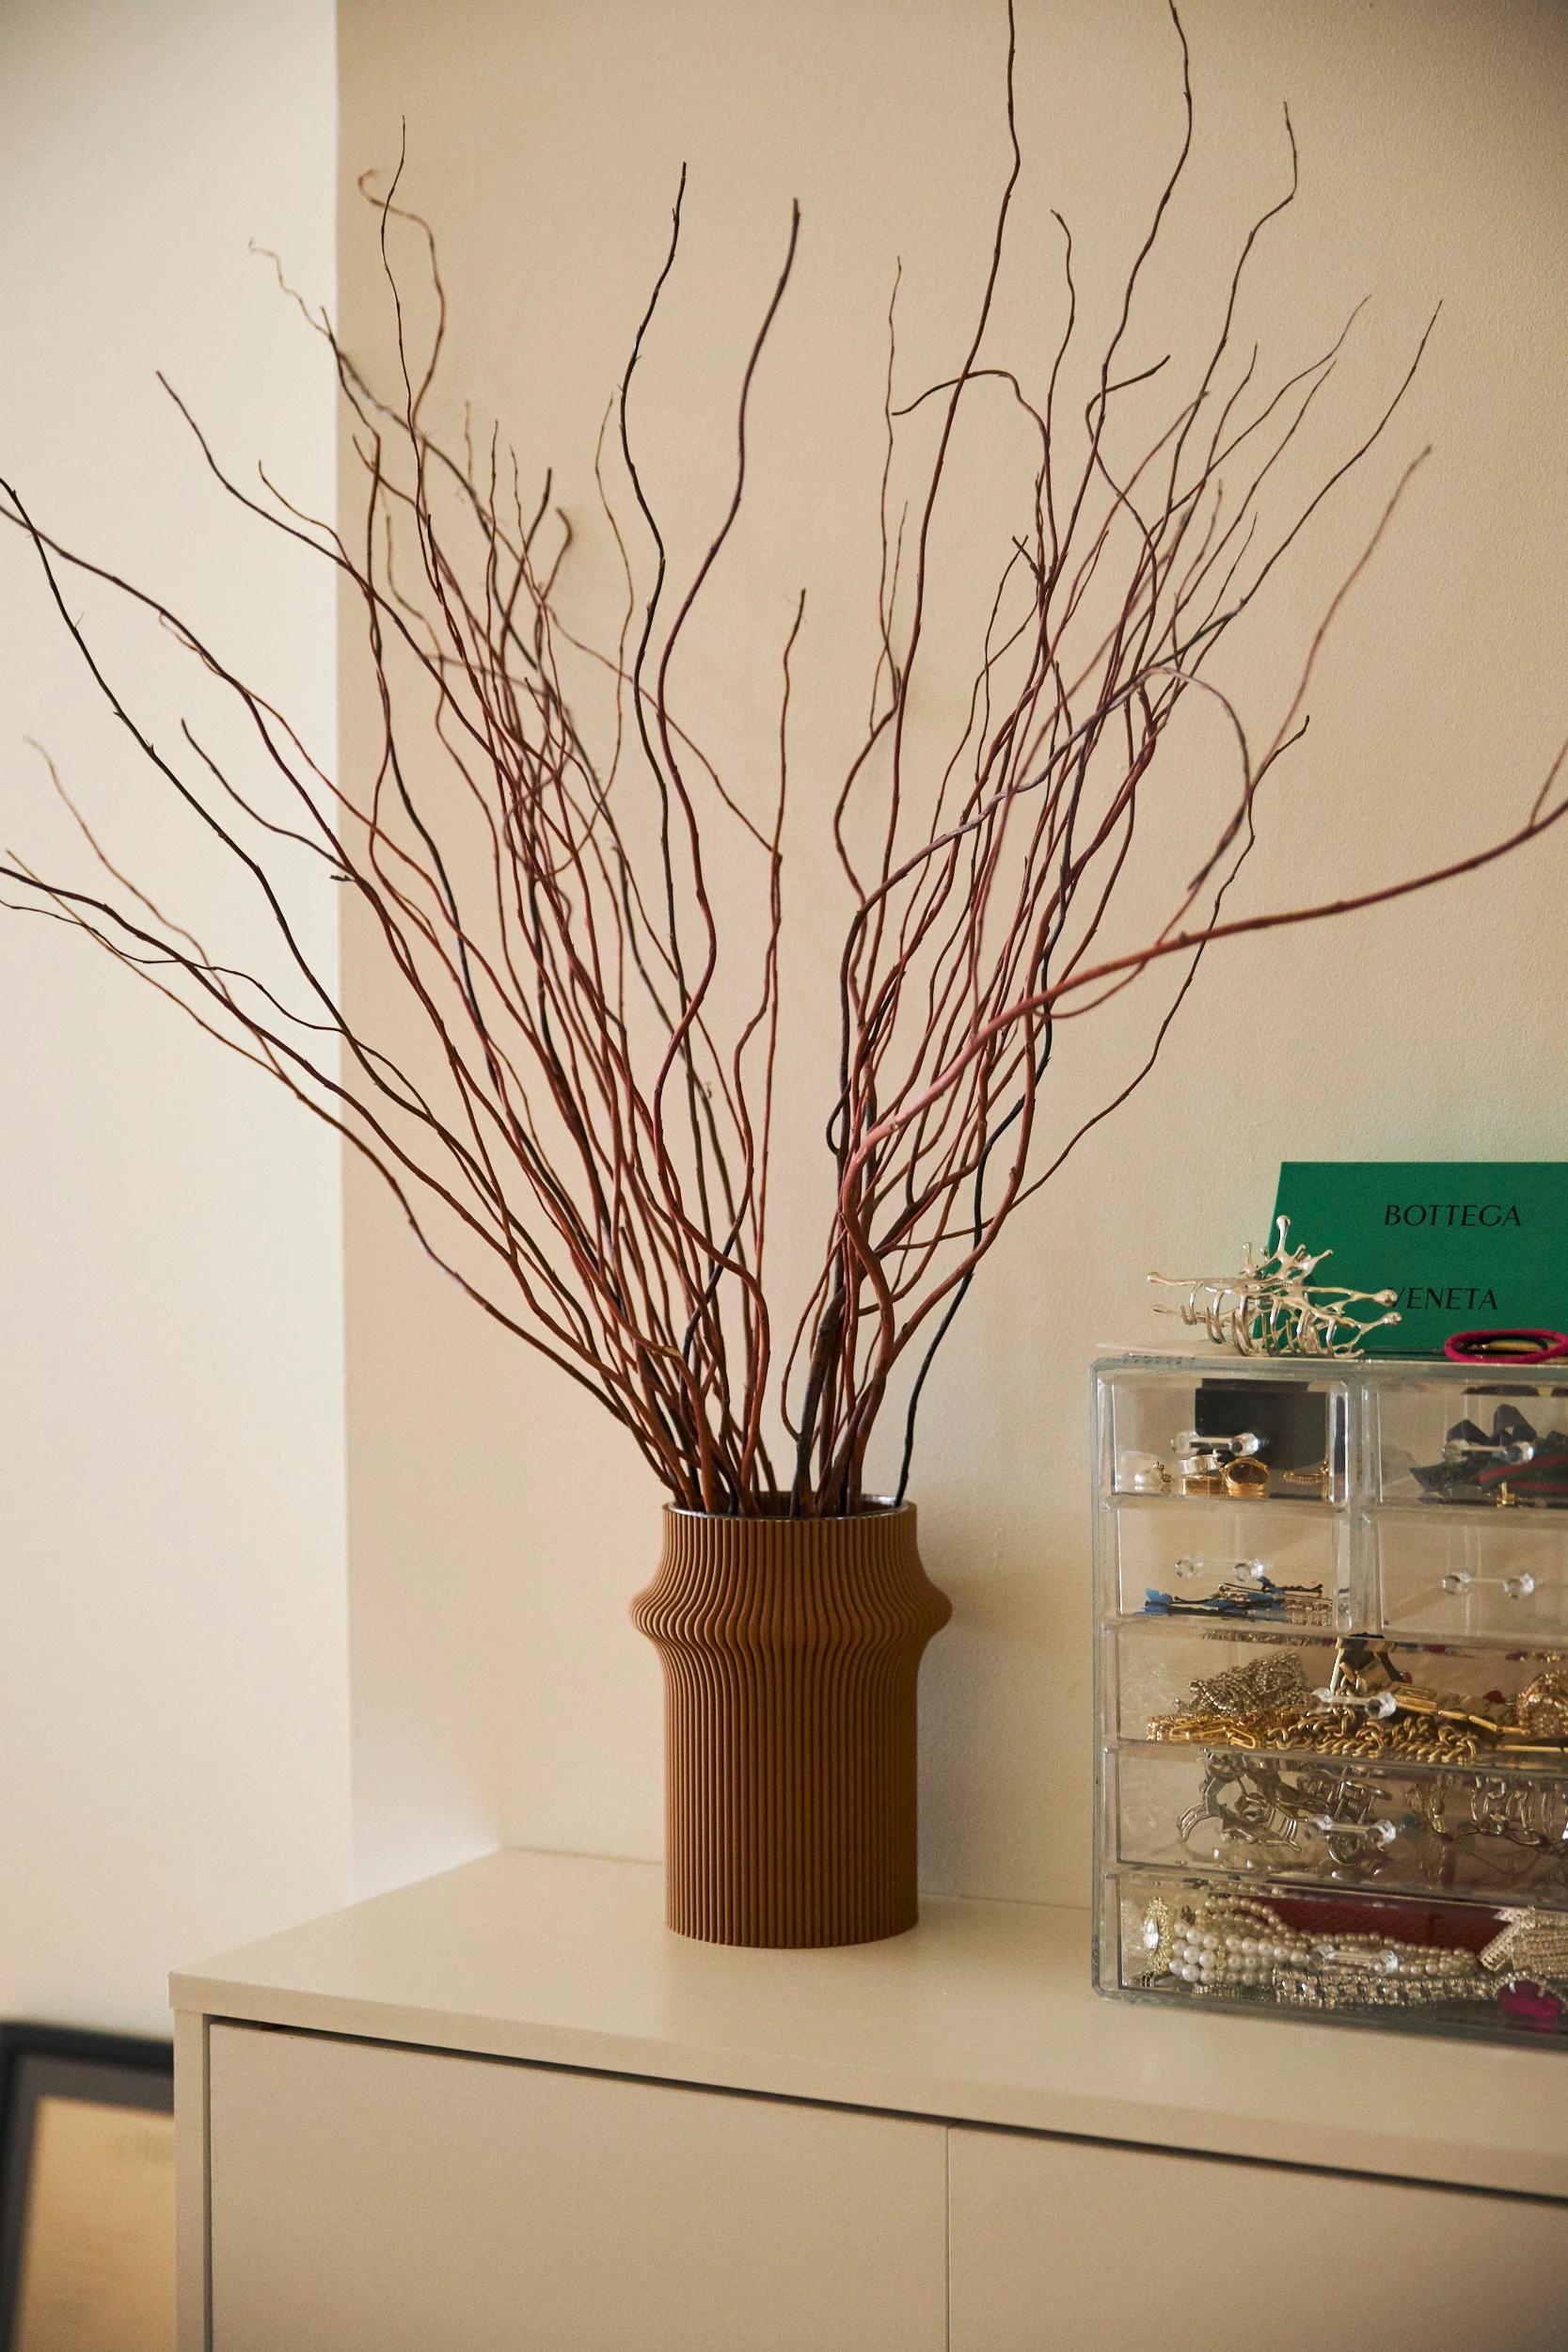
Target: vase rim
{"points": [[872, 1507]]}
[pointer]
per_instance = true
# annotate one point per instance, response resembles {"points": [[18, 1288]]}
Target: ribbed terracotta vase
{"points": [[791, 1651]]}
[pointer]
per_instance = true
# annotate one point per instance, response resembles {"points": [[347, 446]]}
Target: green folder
{"points": [[1468, 1245]]}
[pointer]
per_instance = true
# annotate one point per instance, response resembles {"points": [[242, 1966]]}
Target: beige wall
{"points": [[173, 1669], [498, 1530]]}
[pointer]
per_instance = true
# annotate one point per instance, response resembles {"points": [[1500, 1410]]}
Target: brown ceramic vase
{"points": [[791, 1650]]}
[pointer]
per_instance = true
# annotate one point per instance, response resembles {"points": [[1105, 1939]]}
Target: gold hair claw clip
{"points": [[1274, 1308]]}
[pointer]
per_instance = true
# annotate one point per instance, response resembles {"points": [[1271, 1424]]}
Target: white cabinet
{"points": [[1060, 2246], [375, 2198], [505, 2110]]}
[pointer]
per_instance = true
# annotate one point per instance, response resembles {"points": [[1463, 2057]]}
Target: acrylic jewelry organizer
{"points": [[1332, 1689]]}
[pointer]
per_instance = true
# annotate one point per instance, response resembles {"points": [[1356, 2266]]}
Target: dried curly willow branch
{"points": [[582, 1133]]}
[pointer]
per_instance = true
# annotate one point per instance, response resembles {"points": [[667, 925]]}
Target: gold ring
{"points": [[1247, 1480]]}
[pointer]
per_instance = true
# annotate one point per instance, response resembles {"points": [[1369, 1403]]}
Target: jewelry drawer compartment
{"points": [[1469, 1441], [1245, 1686], [1498, 1972], [1223, 1563], [1470, 1573], [1199, 1432], [1478, 1829]]}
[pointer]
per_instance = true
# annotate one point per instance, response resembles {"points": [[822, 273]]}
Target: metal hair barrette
{"points": [[1274, 1308]]}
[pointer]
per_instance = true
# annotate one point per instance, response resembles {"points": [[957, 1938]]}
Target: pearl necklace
{"points": [[1225, 1942]]}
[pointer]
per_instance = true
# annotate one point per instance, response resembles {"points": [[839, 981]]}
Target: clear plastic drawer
{"points": [[1474, 1442], [1470, 1573], [1185, 1684], [1482, 1829], [1223, 1562], [1246, 1434], [1386, 1961]]}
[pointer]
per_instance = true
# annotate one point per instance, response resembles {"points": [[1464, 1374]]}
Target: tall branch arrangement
{"points": [[577, 1117]]}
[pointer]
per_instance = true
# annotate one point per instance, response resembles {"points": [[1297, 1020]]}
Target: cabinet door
{"points": [[367, 2198], [1060, 2246]]}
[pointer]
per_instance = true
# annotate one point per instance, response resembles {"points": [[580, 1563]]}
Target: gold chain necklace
{"points": [[1365, 1710]]}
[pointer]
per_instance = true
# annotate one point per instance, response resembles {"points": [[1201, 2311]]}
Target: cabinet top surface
{"points": [[983, 2013]]}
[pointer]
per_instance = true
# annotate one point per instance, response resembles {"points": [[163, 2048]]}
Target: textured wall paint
{"points": [[173, 1669], [500, 1530]]}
